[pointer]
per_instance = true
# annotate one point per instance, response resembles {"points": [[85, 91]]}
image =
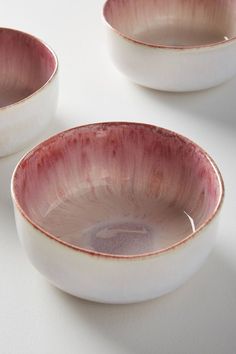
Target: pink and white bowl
{"points": [[28, 89], [117, 212], [173, 45]]}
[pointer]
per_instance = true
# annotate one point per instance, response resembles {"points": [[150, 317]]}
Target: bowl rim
{"points": [[161, 46], [172, 247], [56, 66]]}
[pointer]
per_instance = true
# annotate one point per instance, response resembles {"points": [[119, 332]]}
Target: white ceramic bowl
{"points": [[173, 45], [28, 89], [117, 212]]}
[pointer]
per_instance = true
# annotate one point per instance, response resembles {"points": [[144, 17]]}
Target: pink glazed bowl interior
{"points": [[120, 189], [26, 65], [173, 23]]}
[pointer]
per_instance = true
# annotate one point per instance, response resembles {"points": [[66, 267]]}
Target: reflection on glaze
{"points": [[113, 224]]}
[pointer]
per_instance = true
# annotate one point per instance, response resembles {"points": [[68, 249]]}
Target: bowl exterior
{"points": [[22, 122], [109, 279], [172, 69]]}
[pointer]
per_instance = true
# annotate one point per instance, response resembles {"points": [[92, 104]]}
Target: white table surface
{"points": [[36, 318]]}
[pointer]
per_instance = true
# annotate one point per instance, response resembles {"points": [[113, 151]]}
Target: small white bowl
{"points": [[173, 45], [117, 212], [28, 89]]}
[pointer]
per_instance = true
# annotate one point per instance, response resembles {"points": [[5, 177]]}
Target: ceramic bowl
{"points": [[117, 212], [173, 45], [28, 89]]}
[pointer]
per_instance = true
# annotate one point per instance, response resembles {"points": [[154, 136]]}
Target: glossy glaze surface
{"points": [[173, 23], [102, 186], [25, 65]]}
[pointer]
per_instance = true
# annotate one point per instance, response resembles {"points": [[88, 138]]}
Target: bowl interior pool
{"points": [[26, 64], [173, 22], [117, 188]]}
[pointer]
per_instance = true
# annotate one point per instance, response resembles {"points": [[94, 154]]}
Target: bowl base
{"points": [[175, 35], [117, 225]]}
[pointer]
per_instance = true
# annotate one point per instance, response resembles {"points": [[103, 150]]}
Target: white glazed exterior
{"points": [[114, 280], [173, 69], [22, 122]]}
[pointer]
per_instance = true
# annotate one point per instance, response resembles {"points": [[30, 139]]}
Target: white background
{"points": [[36, 318]]}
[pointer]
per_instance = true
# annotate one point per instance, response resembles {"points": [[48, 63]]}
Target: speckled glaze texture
{"points": [[28, 88], [173, 45], [113, 203]]}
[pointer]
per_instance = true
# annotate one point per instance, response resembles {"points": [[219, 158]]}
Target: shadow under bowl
{"points": [[28, 88], [173, 45], [119, 196]]}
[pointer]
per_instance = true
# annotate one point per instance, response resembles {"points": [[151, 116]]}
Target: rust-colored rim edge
{"points": [[49, 79], [127, 257], [162, 46]]}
